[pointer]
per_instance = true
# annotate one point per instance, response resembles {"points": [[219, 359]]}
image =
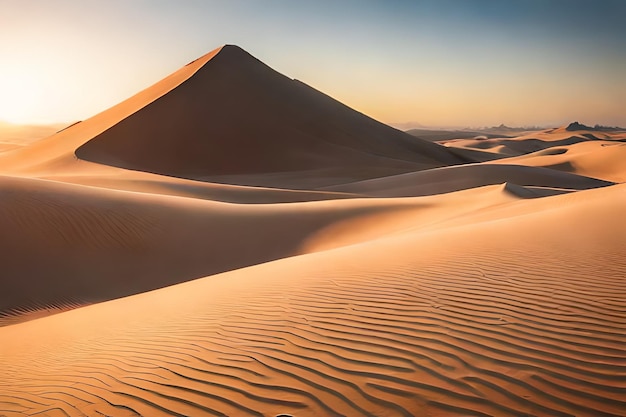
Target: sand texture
{"points": [[231, 242]]}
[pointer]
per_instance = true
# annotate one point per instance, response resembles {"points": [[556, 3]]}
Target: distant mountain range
{"points": [[579, 126]]}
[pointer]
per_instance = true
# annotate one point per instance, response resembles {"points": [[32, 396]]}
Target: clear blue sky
{"points": [[439, 62]]}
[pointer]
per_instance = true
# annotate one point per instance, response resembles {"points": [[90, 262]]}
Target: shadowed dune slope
{"points": [[144, 182], [518, 316], [235, 115], [94, 244], [69, 244], [57, 150]]}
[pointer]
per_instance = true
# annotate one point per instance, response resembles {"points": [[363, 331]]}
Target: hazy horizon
{"points": [[435, 64], [405, 126]]}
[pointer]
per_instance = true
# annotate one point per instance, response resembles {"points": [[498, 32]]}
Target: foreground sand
{"points": [[521, 312], [416, 286]]}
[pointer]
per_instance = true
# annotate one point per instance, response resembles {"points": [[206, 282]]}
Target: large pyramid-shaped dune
{"points": [[235, 115], [227, 113]]}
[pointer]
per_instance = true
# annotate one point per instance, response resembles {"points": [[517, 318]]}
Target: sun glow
{"points": [[21, 94]]}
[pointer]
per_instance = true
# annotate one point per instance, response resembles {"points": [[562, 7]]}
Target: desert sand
{"points": [[233, 242]]}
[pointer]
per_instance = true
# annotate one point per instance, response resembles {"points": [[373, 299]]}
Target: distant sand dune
{"points": [[461, 177], [22, 135], [599, 159], [478, 150]]}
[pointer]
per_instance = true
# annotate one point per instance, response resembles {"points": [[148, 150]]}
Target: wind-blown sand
{"points": [[284, 255]]}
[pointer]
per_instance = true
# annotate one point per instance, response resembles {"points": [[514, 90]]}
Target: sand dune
{"points": [[232, 242], [454, 322], [534, 141], [15, 136], [8, 146], [102, 244], [228, 113], [219, 121], [599, 159], [22, 135], [461, 177], [143, 182], [58, 150]]}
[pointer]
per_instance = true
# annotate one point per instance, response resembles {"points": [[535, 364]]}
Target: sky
{"points": [[441, 63]]}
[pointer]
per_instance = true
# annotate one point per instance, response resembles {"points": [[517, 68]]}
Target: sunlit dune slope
{"points": [[517, 314], [144, 182], [58, 150], [461, 177], [599, 159], [589, 152]]}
